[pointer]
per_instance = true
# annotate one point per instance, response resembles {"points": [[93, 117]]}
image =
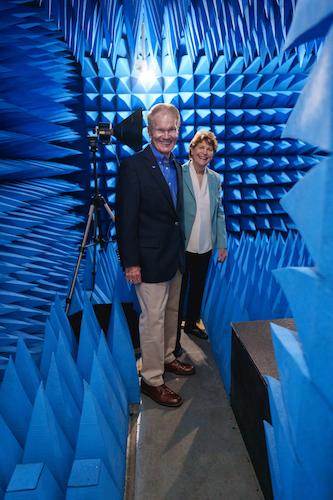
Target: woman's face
{"points": [[202, 154]]}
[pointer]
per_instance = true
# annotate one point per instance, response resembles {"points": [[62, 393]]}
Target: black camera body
{"points": [[104, 132]]}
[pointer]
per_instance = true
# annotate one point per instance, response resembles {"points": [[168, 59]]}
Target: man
{"points": [[151, 248]]}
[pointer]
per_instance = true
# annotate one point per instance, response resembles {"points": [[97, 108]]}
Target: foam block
{"points": [[33, 481], [89, 480]]}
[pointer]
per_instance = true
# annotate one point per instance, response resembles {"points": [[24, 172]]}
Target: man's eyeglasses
{"points": [[169, 131]]}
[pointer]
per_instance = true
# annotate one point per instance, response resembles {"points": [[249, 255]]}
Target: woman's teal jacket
{"points": [[219, 236]]}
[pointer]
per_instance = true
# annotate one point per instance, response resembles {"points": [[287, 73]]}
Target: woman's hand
{"points": [[222, 254]]}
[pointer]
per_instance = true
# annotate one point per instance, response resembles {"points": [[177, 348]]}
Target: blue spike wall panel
{"points": [[247, 113], [245, 99], [300, 438], [41, 160], [260, 167], [227, 74], [69, 437], [246, 107]]}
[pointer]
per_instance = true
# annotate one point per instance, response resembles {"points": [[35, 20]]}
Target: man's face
{"points": [[164, 132]]}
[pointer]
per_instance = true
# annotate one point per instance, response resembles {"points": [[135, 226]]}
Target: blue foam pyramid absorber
{"points": [[46, 442], [10, 453], [27, 370], [307, 292], [12, 397], [97, 440], [66, 327], [69, 371], [106, 276], [121, 347], [273, 461], [49, 346], [294, 481], [307, 411], [313, 194], [309, 21], [112, 373], [311, 117], [77, 299], [58, 326], [90, 331], [102, 388], [62, 402], [89, 267]]}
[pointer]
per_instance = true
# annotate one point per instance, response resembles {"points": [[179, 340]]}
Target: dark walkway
{"points": [[194, 452]]}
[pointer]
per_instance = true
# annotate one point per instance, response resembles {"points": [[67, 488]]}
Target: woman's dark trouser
{"points": [[194, 278]]}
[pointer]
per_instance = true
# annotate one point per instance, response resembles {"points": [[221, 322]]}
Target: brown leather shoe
{"points": [[161, 394], [179, 368]]}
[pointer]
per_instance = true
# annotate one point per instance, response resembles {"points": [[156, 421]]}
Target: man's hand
{"points": [[133, 274], [222, 254]]}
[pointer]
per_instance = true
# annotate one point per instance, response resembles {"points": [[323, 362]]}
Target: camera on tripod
{"points": [[129, 132], [104, 131]]}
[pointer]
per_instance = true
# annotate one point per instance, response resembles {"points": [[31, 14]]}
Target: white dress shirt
{"points": [[201, 235]]}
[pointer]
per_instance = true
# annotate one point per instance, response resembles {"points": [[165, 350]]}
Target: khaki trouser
{"points": [[158, 326]]}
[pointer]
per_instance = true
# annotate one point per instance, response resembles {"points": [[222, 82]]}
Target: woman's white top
{"points": [[201, 236]]}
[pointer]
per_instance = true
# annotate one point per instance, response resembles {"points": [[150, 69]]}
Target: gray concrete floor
{"points": [[194, 452]]}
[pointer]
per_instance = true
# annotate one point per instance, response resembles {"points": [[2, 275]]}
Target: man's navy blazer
{"points": [[149, 227]]}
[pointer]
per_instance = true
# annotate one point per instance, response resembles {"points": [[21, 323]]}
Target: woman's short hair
{"points": [[162, 108], [204, 135]]}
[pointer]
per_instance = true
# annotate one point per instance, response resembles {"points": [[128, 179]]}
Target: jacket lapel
{"points": [[187, 178], [212, 191], [155, 171]]}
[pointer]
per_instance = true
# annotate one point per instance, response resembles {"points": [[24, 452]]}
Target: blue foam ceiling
{"points": [[222, 63]]}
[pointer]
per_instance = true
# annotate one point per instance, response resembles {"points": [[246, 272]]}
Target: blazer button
{"points": [[176, 223]]}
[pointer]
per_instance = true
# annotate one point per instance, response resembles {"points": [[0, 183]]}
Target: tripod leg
{"points": [[109, 211], [97, 237], [81, 253]]}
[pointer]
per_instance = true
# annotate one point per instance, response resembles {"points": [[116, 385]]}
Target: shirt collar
{"points": [[159, 156], [193, 169]]}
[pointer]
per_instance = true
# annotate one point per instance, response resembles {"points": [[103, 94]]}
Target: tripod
{"points": [[97, 202]]}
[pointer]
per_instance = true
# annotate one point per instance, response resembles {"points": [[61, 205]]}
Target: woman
{"points": [[204, 228]]}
